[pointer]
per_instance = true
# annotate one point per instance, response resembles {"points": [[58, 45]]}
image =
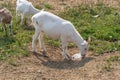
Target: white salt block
{"points": [[76, 56]]}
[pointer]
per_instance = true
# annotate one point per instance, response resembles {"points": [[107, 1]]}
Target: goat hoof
{"points": [[34, 52], [44, 54]]}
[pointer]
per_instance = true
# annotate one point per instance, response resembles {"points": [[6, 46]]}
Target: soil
{"points": [[54, 67]]}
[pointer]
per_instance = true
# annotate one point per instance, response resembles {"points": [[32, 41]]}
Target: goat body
{"points": [[6, 18], [25, 8], [57, 28]]}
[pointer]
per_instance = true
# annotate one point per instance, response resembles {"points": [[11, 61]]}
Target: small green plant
{"points": [[12, 62], [38, 7], [107, 66], [48, 6]]}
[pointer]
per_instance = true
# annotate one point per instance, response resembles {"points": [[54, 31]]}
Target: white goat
{"points": [[6, 18], [57, 28], [25, 8]]}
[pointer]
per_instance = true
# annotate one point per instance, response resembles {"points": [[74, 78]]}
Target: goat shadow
{"points": [[63, 64]]}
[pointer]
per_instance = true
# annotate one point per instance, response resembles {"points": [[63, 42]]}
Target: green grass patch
{"points": [[18, 43], [114, 58]]}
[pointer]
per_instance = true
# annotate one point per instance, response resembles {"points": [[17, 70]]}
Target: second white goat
{"points": [[57, 28], [25, 8]]}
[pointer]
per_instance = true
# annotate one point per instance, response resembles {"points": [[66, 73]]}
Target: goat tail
{"points": [[34, 21]]}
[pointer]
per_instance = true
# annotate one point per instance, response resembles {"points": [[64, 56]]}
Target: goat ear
{"points": [[89, 40]]}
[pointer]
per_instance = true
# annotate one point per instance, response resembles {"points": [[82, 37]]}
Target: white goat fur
{"points": [[6, 18], [57, 28], [25, 8]]}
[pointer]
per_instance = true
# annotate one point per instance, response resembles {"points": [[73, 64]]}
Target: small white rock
{"points": [[76, 56]]}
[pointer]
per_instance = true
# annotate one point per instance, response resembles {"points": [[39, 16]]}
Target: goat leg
{"points": [[10, 26], [4, 28]]}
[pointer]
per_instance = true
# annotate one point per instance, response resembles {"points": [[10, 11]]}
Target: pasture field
{"points": [[103, 58]]}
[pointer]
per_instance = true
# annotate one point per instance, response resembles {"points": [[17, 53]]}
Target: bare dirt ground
{"points": [[37, 67]]}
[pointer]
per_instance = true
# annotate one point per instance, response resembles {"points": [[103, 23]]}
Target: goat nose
{"points": [[83, 56]]}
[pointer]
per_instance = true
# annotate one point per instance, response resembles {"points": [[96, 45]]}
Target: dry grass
{"points": [[59, 5]]}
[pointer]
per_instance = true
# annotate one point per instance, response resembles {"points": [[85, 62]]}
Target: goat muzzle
{"points": [[83, 56]]}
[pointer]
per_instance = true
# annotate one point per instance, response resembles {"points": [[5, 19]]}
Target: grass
{"points": [[48, 6], [114, 58], [104, 31], [18, 43]]}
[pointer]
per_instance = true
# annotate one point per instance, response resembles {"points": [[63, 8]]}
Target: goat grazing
{"points": [[57, 28], [25, 8], [6, 18]]}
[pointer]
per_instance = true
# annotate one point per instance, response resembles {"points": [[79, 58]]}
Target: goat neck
{"points": [[33, 10]]}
